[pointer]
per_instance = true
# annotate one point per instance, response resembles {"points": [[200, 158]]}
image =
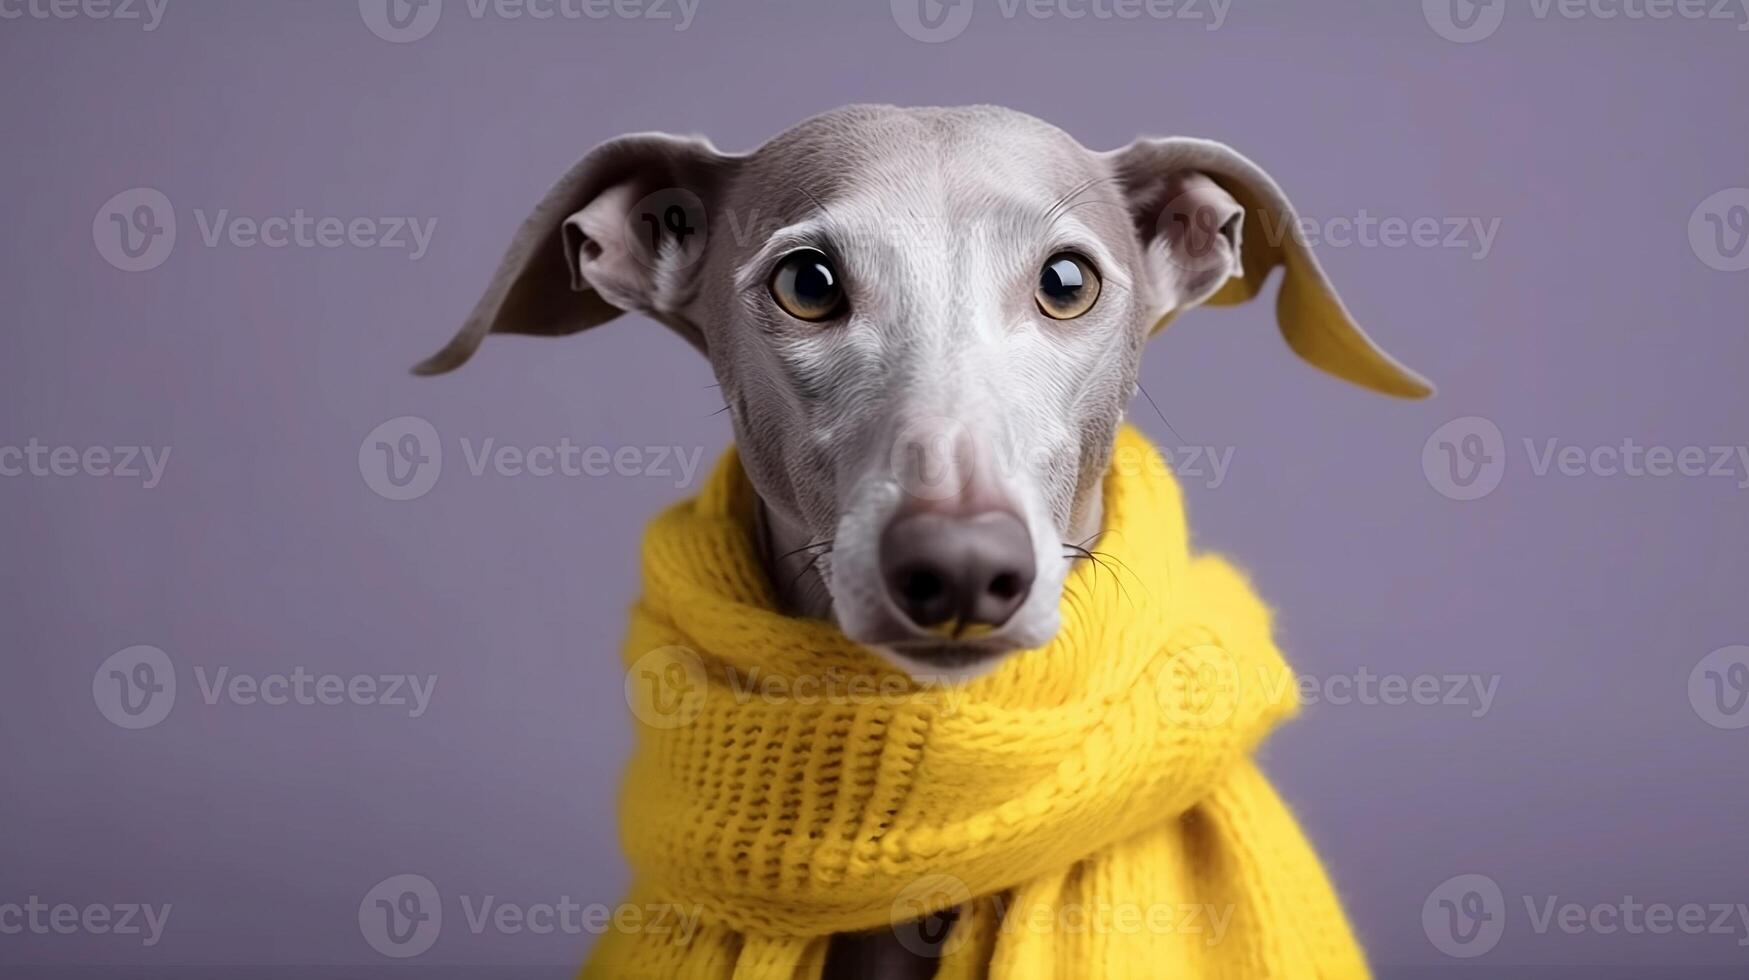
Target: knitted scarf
{"points": [[1091, 807]]}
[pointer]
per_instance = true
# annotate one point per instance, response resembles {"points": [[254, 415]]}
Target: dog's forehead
{"points": [[917, 160]]}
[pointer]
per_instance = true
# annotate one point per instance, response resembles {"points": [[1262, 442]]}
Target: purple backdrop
{"points": [[1521, 635]]}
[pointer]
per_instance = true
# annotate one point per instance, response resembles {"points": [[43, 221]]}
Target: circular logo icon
{"points": [[135, 230], [666, 687], [917, 920], [1465, 916], [1464, 21], [1196, 233], [670, 227], [401, 458], [1199, 686], [931, 458], [1718, 688], [400, 21], [1465, 459], [401, 916], [1718, 231], [135, 688], [932, 21]]}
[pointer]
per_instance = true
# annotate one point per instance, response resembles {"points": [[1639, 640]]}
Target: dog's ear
{"points": [[1213, 225], [624, 229]]}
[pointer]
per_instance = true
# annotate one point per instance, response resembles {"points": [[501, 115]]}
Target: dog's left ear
{"points": [[1213, 225], [624, 229]]}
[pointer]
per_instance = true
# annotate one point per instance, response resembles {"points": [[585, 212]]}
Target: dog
{"points": [[927, 324]]}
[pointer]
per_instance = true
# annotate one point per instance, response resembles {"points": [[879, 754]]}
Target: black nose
{"points": [[971, 571]]}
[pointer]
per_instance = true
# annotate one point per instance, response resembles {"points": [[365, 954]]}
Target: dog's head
{"points": [[927, 324]]}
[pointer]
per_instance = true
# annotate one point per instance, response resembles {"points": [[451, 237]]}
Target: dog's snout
{"points": [[962, 572]]}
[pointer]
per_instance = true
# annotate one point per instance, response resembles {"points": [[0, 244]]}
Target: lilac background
{"points": [[1592, 320]]}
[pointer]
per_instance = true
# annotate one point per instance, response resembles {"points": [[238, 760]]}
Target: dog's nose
{"points": [[967, 571]]}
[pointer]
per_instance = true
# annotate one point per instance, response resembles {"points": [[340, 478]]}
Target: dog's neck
{"points": [[793, 558]]}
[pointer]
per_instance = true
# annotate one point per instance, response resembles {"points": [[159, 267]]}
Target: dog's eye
{"points": [[806, 285], [1067, 286]]}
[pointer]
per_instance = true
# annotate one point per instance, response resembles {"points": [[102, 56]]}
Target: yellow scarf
{"points": [[1090, 806]]}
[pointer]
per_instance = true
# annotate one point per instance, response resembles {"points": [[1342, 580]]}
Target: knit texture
{"points": [[1091, 806]]}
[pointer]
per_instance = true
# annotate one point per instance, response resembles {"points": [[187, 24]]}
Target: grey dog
{"points": [[927, 324]]}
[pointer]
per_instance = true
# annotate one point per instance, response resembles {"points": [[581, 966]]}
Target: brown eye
{"points": [[806, 285], [1067, 286]]}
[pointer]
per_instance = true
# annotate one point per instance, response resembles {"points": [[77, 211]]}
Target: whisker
{"points": [[827, 544], [816, 202], [1109, 563], [805, 570], [1080, 204], [1157, 411], [1056, 209], [1097, 564], [1117, 581], [1125, 566]]}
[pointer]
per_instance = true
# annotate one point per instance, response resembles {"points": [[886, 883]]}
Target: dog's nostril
{"points": [[921, 585], [925, 593], [1005, 585], [942, 568]]}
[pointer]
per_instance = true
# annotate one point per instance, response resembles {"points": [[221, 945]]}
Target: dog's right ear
{"points": [[1216, 225], [623, 230]]}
